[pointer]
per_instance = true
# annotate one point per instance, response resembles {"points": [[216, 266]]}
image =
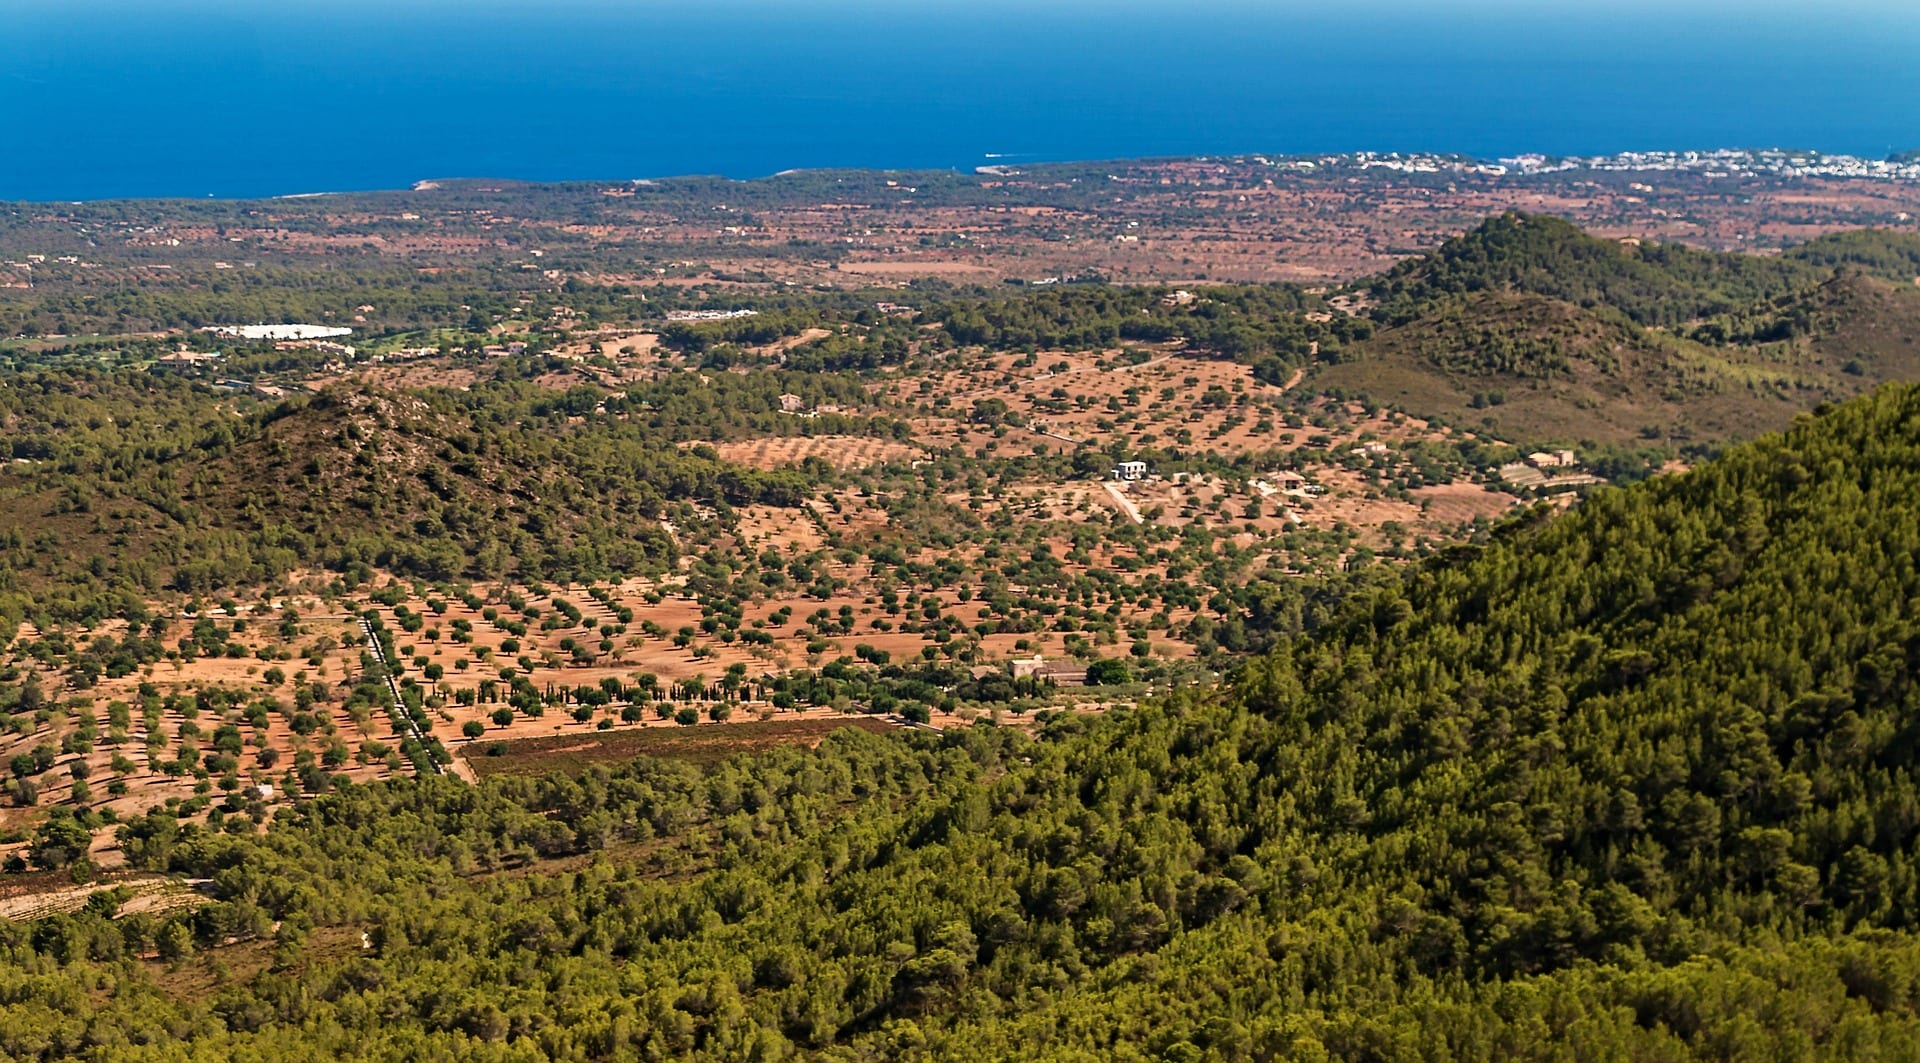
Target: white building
{"points": [[185, 362]]}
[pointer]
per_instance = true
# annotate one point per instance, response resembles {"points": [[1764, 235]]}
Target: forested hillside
{"points": [[1636, 781], [1652, 284], [128, 483], [1528, 327]]}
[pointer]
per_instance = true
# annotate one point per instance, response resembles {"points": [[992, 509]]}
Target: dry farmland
{"points": [[843, 452], [994, 532]]}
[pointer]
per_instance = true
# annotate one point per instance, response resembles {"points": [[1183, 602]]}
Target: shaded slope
{"points": [[1652, 284], [1534, 368], [1529, 368], [512, 481], [1537, 331]]}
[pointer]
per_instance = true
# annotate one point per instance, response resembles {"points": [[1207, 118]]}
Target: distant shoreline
{"points": [[1787, 163]]}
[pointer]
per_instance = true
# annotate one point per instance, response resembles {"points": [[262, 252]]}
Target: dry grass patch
{"points": [[701, 744], [845, 452]]}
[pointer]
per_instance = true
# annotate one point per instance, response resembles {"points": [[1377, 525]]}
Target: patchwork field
{"points": [[842, 452], [698, 745]]}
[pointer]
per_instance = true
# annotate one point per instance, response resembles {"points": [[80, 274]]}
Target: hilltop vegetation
{"points": [[1664, 285], [1639, 778], [150, 485], [1532, 329]]}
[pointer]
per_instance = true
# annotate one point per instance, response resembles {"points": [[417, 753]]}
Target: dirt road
{"points": [[1126, 504]]}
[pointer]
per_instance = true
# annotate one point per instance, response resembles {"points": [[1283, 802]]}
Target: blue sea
{"points": [[272, 97]]}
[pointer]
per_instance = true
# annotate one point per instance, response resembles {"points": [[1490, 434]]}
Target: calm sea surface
{"points": [[145, 99]]}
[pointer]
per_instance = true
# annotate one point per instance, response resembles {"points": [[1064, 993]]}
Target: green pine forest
{"points": [[1632, 782], [1634, 779]]}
